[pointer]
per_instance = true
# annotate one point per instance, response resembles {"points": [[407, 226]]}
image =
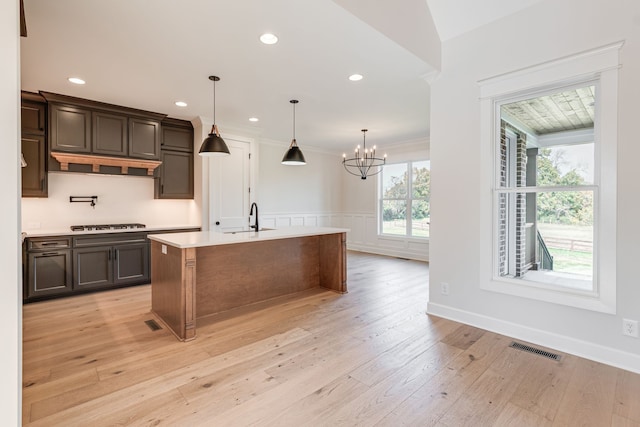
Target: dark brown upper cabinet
{"points": [[144, 138], [89, 127], [174, 177], [69, 128], [33, 145], [33, 117], [110, 134], [178, 137], [34, 174]]}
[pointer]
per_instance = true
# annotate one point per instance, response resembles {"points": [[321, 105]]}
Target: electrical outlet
{"points": [[444, 289], [630, 328]]}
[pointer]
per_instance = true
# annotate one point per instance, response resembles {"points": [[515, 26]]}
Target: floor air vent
{"points": [[534, 350], [153, 325]]}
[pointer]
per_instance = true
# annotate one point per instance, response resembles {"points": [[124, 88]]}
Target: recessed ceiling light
{"points": [[181, 103], [253, 119], [268, 38], [76, 80], [355, 77]]}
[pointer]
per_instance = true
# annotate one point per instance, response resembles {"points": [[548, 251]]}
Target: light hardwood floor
{"points": [[371, 357]]}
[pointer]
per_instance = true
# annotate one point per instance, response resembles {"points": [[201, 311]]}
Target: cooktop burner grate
{"points": [[107, 227]]}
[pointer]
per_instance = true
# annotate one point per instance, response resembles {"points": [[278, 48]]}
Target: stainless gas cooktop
{"points": [[107, 227]]}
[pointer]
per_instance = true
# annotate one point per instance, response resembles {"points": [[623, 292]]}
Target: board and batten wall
{"points": [[321, 193], [459, 192]]}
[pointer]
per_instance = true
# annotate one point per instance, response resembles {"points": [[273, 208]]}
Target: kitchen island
{"points": [[199, 274]]}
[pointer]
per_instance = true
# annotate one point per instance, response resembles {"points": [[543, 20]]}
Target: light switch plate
{"points": [[164, 249]]}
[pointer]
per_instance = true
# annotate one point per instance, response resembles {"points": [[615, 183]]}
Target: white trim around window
{"points": [[599, 65]]}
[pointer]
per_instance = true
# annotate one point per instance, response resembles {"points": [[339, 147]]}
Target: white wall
{"points": [[310, 194], [121, 199], [321, 193], [360, 207], [10, 259], [544, 32]]}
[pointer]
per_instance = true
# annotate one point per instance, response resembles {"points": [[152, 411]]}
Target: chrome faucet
{"points": [[257, 228]]}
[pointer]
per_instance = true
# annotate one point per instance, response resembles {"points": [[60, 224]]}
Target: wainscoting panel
{"points": [[362, 236]]}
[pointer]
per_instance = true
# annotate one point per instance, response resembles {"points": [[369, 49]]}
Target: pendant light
{"points": [[294, 156], [214, 145], [364, 162]]}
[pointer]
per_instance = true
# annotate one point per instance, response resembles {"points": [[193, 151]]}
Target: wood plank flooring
{"points": [[371, 357]]}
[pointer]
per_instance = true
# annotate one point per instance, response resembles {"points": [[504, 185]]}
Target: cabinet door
{"points": [[110, 134], [49, 273], [178, 139], [144, 139], [176, 176], [93, 267], [33, 117], [131, 263], [34, 174], [69, 129]]}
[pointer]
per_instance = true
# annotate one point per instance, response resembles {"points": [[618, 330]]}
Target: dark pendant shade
{"points": [[214, 145], [294, 155]]}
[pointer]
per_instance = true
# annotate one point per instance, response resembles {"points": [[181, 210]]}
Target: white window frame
{"points": [[408, 200], [599, 65]]}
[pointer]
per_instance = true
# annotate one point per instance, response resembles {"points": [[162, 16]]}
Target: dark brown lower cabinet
{"points": [[93, 267], [49, 273], [64, 265], [131, 263], [111, 265]]}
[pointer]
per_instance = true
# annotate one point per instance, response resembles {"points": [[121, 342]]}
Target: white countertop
{"points": [[67, 230], [212, 238]]}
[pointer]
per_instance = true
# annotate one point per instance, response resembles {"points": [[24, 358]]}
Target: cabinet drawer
{"points": [[41, 243], [109, 239]]}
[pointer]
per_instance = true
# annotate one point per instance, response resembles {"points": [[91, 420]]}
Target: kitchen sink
{"points": [[248, 231]]}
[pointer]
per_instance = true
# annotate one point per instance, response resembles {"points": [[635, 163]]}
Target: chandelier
{"points": [[364, 161]]}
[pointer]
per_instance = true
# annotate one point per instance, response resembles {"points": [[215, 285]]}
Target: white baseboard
{"points": [[380, 250], [563, 343]]}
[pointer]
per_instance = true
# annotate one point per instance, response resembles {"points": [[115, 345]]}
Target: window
{"points": [[549, 136], [545, 188], [404, 189]]}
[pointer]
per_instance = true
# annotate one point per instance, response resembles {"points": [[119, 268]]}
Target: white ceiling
{"points": [[456, 17], [149, 54]]}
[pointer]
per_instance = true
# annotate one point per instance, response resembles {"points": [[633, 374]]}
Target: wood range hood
{"points": [[96, 161]]}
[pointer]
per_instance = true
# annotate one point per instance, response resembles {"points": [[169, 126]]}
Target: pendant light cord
{"points": [[214, 102], [294, 121]]}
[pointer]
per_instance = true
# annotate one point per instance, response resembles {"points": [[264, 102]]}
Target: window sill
{"points": [[547, 293]]}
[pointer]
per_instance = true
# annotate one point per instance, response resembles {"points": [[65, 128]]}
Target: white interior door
{"points": [[229, 183]]}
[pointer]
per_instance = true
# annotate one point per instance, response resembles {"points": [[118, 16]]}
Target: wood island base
{"points": [[195, 282]]}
